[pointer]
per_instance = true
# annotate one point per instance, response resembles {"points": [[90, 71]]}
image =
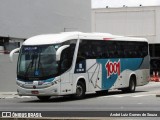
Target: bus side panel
{"points": [[142, 77], [122, 80], [66, 83], [112, 71], [105, 74], [145, 71], [94, 71]]}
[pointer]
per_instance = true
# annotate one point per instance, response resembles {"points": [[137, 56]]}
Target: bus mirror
{"points": [[12, 52], [59, 51]]}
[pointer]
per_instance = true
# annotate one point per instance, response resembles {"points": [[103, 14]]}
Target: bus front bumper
{"points": [[49, 91]]}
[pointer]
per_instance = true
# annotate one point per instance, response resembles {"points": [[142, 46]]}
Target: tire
{"points": [[103, 92], [43, 98], [132, 85], [80, 90]]}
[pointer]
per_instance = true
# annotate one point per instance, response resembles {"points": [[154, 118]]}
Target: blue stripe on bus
{"points": [[125, 64]]}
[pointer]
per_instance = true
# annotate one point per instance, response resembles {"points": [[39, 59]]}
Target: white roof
{"points": [[62, 37]]}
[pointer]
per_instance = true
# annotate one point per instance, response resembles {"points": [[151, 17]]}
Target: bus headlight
{"points": [[55, 82]]}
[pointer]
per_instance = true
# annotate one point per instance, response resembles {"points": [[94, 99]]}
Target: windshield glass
{"points": [[37, 62]]}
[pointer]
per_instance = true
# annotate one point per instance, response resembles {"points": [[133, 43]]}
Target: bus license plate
{"points": [[35, 92]]}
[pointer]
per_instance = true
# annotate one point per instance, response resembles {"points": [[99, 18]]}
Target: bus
{"points": [[76, 63], [155, 69]]}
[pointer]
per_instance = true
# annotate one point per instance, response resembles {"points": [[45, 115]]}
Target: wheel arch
{"points": [[83, 80], [80, 89], [133, 75]]}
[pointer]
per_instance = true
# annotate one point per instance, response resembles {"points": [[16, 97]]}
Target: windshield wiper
{"points": [[40, 64], [30, 65]]}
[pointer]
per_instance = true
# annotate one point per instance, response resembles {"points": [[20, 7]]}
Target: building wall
{"points": [[129, 21], [26, 18], [7, 73]]}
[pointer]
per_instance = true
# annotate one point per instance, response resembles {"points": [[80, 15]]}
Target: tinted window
{"points": [[98, 49], [67, 56]]}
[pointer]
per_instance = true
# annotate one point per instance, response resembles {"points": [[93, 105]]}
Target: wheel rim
{"points": [[79, 90]]}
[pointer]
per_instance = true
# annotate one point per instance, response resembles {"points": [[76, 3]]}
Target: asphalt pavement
{"points": [[144, 99], [4, 95]]}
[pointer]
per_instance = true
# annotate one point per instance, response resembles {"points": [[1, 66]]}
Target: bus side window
{"points": [[98, 52], [64, 60], [126, 54], [71, 50], [81, 56], [105, 53], [67, 57], [144, 50], [87, 54], [120, 54]]}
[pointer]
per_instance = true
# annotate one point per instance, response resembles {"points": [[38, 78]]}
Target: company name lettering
{"points": [[113, 68]]}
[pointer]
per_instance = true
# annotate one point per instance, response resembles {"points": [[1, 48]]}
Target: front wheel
{"points": [[80, 90]]}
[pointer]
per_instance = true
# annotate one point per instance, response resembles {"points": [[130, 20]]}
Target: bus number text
{"points": [[113, 68]]}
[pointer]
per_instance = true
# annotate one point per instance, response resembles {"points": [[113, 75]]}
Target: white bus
{"points": [[75, 63]]}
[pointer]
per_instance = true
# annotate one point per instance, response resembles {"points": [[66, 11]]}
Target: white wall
{"points": [[26, 18], [128, 21], [7, 74]]}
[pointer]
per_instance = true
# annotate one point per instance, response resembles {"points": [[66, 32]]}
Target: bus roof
{"points": [[62, 37]]}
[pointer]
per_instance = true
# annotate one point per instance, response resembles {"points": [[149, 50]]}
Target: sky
{"points": [[120, 3]]}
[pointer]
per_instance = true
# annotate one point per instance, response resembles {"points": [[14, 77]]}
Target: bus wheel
{"points": [[80, 90], [43, 98], [132, 85]]}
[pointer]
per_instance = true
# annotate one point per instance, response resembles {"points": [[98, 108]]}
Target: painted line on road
{"points": [[118, 96], [19, 97], [23, 97], [144, 95], [114, 96], [135, 96]]}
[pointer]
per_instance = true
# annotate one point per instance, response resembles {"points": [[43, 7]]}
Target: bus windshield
{"points": [[37, 62]]}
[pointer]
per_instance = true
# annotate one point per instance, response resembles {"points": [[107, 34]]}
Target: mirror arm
{"points": [[59, 51], [12, 52]]}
